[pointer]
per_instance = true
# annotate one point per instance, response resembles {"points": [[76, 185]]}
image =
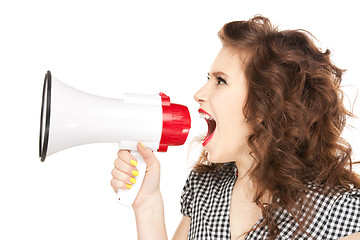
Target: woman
{"points": [[274, 165]]}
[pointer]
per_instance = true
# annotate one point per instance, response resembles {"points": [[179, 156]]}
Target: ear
{"points": [[259, 120]]}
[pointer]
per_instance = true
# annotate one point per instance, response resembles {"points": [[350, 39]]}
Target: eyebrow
{"points": [[218, 73]]}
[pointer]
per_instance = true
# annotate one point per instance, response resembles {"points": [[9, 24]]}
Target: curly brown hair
{"points": [[294, 89]]}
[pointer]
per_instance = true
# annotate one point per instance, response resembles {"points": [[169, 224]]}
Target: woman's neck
{"points": [[245, 183]]}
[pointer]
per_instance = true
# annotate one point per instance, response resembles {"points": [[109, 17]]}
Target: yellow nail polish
{"points": [[133, 162], [128, 186], [133, 180], [142, 145], [135, 173]]}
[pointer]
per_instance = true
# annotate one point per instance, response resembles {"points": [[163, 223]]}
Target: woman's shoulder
{"points": [[335, 196], [335, 214], [345, 211], [337, 211]]}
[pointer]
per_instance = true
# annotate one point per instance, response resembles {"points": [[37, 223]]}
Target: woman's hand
{"points": [[125, 172]]}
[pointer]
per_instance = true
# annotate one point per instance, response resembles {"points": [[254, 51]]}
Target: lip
{"points": [[203, 111], [208, 138]]}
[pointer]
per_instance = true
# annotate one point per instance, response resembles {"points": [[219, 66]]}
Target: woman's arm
{"points": [[148, 205], [150, 220], [182, 230]]}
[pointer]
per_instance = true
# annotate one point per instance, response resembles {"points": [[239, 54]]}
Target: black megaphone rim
{"points": [[43, 143]]}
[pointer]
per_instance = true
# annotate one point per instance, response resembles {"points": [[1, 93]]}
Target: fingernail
{"points": [[133, 162], [133, 180], [142, 145], [128, 186], [135, 173]]}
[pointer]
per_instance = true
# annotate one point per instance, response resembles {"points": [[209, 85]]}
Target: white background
{"points": [[107, 48]]}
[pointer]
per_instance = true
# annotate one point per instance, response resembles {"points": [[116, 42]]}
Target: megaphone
{"points": [[70, 117]]}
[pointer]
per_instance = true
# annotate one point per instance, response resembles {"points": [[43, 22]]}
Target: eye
{"points": [[220, 81]]}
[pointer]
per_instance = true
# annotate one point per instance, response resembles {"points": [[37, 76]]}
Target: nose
{"points": [[201, 96]]}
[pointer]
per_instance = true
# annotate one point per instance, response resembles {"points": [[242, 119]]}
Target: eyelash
{"points": [[220, 80]]}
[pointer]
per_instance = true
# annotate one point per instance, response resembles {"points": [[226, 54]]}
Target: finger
{"points": [[126, 156], [126, 168], [123, 177], [147, 154], [116, 185]]}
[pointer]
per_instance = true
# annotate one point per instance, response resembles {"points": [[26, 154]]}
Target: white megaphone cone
{"points": [[70, 117]]}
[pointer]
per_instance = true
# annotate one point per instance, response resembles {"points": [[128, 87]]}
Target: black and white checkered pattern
{"points": [[206, 200]]}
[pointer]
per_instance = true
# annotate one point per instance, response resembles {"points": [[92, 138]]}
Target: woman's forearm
{"points": [[150, 219]]}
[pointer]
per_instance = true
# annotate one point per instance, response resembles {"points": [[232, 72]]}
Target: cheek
{"points": [[234, 123], [234, 134], [226, 145]]}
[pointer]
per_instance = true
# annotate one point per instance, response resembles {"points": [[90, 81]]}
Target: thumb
{"points": [[147, 155]]}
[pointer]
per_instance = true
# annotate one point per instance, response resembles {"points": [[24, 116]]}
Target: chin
{"points": [[217, 158], [211, 157], [224, 156]]}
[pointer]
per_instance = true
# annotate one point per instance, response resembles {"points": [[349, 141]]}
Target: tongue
{"points": [[211, 129]]}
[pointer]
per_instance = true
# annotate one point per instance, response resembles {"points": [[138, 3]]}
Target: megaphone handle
{"points": [[127, 197]]}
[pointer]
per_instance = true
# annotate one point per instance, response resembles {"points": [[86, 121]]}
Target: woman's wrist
{"points": [[150, 220], [152, 201]]}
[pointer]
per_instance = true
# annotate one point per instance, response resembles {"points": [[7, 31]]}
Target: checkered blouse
{"points": [[206, 200]]}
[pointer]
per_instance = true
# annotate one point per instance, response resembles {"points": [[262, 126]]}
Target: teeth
{"points": [[205, 116]]}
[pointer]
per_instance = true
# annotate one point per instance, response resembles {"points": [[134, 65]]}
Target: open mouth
{"points": [[211, 126]]}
